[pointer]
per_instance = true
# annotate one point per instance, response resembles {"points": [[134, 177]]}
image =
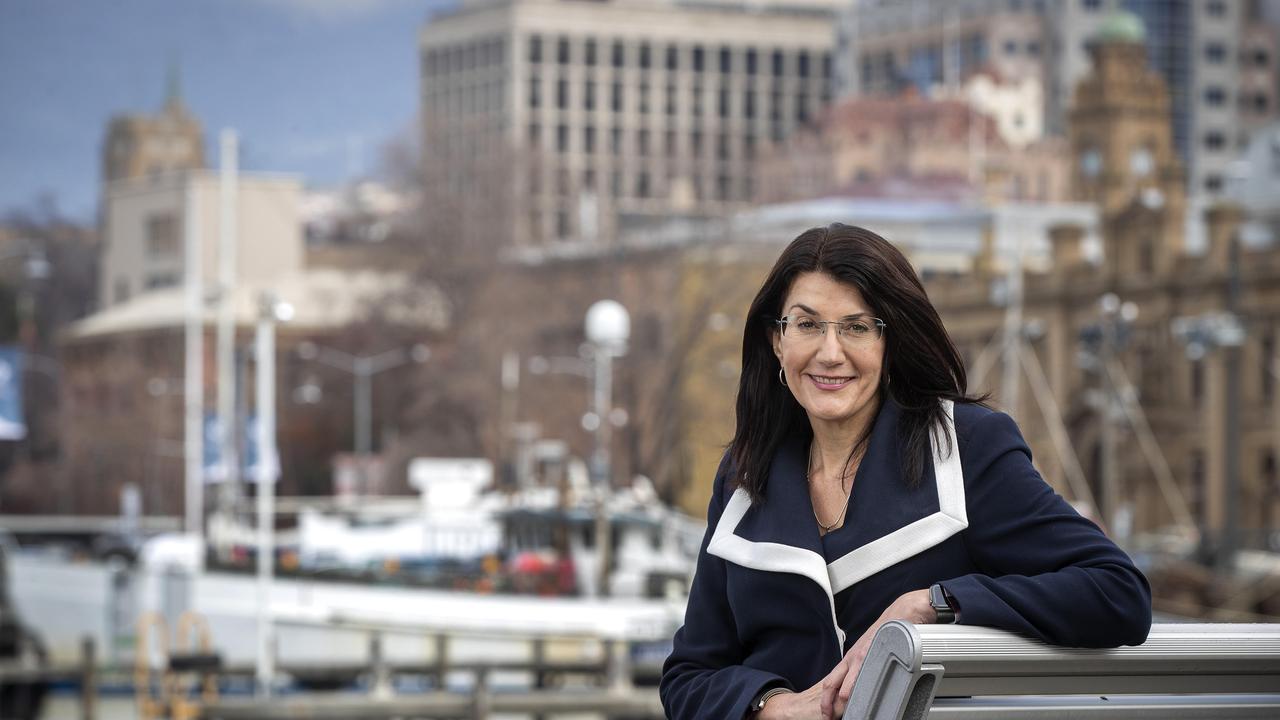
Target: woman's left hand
{"points": [[914, 607]]}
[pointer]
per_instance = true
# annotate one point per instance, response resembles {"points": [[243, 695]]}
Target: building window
{"points": [[589, 178], [670, 143], [698, 59], [671, 99], [749, 104], [589, 139], [722, 187], [722, 146], [1033, 48], [162, 236], [722, 102], [695, 143], [615, 140], [618, 54], [696, 97], [1010, 47], [644, 56], [562, 138], [644, 98], [562, 93], [1266, 380], [826, 66], [673, 58], [751, 62], [161, 280], [1260, 104], [1214, 140], [535, 49], [642, 185], [1215, 52], [535, 92], [642, 142], [1260, 57], [749, 146], [1197, 381], [802, 65], [589, 53], [726, 61], [777, 63], [563, 228], [535, 135], [615, 96], [589, 95], [1215, 96], [802, 108], [562, 51], [1213, 183]]}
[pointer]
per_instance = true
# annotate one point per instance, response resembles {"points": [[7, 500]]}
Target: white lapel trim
{"points": [[867, 560], [771, 557], [862, 562]]}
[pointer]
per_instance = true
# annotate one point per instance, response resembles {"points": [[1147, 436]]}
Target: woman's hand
{"points": [[914, 607], [793, 706]]}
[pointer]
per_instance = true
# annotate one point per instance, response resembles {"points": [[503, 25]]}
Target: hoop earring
{"points": [[782, 378]]}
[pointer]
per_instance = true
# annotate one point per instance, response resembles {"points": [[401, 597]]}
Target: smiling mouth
{"points": [[828, 381]]}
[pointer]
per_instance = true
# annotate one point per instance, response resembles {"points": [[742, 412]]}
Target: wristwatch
{"points": [[943, 604], [758, 703]]}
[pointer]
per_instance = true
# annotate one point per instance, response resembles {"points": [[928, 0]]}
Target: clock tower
{"points": [[1124, 160]]}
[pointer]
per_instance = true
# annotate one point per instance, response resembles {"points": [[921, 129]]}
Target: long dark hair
{"points": [[921, 365]]}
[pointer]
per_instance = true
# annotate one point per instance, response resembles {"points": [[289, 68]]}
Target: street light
{"points": [[362, 369], [270, 311], [608, 328]]}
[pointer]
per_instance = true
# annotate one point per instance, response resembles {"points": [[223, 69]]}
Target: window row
{"points": [[644, 143], [461, 58], [724, 186], [647, 100], [674, 58]]}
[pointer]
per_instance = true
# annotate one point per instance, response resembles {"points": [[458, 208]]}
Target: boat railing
{"points": [[1181, 671]]}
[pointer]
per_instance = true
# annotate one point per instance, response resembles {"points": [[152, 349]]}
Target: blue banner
{"points": [[12, 424], [215, 470]]}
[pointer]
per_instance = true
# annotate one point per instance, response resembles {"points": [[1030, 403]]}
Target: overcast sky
{"points": [[314, 87]]}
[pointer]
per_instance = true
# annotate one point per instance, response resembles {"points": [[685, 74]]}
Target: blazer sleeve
{"points": [[703, 677], [1044, 570]]}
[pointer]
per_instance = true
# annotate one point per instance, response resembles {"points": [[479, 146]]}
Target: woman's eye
{"points": [[857, 328], [806, 324]]}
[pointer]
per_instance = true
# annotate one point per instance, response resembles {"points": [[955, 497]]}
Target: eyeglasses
{"points": [[853, 330]]}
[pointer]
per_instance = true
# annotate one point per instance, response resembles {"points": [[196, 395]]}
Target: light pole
{"points": [[362, 369], [608, 327], [270, 311]]}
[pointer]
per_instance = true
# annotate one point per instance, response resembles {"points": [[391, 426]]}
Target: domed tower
{"points": [[1125, 161]]}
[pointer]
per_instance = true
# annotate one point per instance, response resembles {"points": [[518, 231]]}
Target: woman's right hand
{"points": [[805, 705]]}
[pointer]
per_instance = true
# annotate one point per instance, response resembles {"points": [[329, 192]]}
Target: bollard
{"points": [[480, 703], [381, 680], [88, 679]]}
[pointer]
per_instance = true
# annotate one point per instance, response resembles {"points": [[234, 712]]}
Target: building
{"points": [[555, 121], [145, 221], [1217, 58], [911, 147], [145, 145]]}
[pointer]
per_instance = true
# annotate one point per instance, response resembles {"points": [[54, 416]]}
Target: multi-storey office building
{"points": [[1216, 57], [555, 121]]}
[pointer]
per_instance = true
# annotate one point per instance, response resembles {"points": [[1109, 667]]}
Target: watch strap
{"points": [[942, 604]]}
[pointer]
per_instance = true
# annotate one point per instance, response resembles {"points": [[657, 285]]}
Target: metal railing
{"points": [[1181, 671]]}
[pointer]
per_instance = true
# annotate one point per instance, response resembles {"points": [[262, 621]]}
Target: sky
{"points": [[313, 87]]}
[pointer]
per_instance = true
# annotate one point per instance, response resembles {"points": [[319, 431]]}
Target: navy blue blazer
{"points": [[775, 603]]}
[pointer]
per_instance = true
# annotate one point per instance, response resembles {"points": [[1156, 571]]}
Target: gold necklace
{"points": [[808, 477]]}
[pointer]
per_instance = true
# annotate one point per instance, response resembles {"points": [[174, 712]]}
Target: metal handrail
{"points": [[914, 671]]}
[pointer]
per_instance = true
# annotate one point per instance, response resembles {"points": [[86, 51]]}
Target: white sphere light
{"points": [[608, 324]]}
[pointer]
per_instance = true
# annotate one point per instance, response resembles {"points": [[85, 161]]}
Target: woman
{"points": [[860, 478]]}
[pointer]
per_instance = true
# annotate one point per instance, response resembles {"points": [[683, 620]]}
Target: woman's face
{"points": [[835, 378]]}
